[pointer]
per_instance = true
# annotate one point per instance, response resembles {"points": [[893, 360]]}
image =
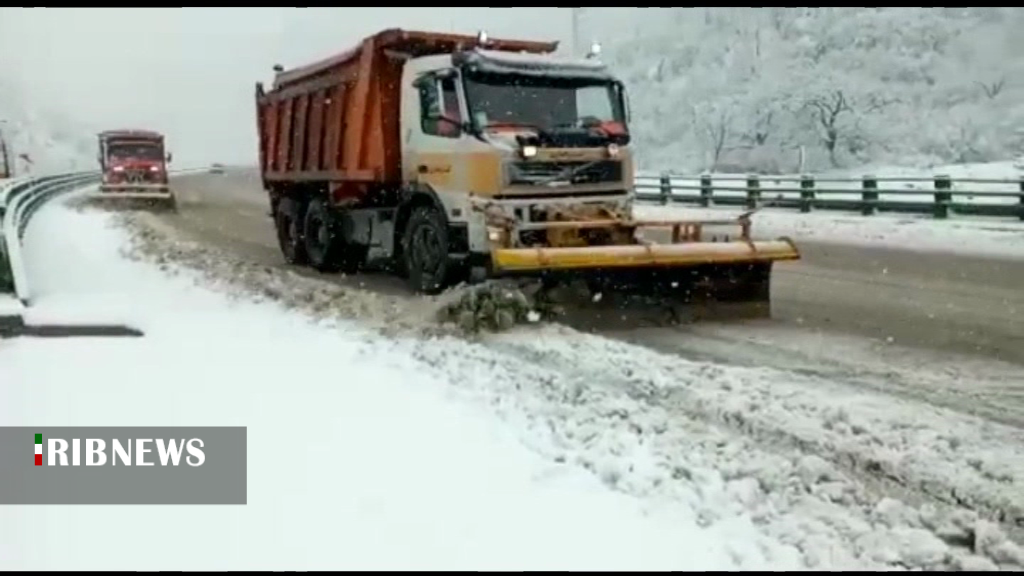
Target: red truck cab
{"points": [[133, 160]]}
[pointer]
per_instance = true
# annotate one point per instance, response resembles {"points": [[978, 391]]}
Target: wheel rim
{"points": [[427, 253]]}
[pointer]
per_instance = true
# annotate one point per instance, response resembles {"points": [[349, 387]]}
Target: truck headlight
{"points": [[529, 151], [496, 235]]}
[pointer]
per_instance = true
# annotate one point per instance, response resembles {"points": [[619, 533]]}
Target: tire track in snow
{"points": [[915, 448], [966, 384]]}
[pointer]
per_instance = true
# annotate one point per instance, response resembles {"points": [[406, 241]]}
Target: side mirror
{"points": [[169, 157]]}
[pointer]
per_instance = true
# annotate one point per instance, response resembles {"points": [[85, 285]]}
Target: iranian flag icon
{"points": [[39, 449]]}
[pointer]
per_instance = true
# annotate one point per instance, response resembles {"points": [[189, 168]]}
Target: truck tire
{"points": [[425, 251], [326, 249], [287, 221]]}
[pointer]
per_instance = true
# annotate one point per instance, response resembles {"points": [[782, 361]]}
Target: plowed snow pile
{"points": [[847, 479]]}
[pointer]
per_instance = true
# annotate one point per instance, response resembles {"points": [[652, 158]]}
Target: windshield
{"points": [[137, 150], [544, 103]]}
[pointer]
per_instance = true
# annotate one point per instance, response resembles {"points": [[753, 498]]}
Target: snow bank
{"points": [[358, 458]]}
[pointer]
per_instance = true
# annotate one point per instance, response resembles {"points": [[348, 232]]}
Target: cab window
{"points": [[439, 107]]}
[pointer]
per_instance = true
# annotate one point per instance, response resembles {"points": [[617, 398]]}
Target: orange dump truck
{"points": [[450, 158]]}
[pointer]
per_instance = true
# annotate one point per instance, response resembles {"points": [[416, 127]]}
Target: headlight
{"points": [[529, 151], [495, 234], [118, 168], [613, 150], [154, 168]]}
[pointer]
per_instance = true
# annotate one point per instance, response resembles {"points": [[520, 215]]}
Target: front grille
{"points": [[535, 173], [136, 176]]}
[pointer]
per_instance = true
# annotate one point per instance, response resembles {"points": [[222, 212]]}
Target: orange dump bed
{"points": [[337, 119]]}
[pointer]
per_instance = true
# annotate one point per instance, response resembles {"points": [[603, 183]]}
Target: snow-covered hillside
{"points": [[53, 143], [747, 89]]}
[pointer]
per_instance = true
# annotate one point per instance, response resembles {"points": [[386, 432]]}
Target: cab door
{"points": [[436, 139]]}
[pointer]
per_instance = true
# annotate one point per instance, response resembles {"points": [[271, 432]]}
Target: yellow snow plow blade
{"points": [[675, 262], [641, 255], [685, 246]]}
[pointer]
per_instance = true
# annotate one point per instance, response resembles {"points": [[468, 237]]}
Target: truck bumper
{"points": [[135, 188]]}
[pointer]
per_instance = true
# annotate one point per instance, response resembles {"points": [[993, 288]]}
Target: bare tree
{"points": [[717, 127], [827, 110], [992, 89]]}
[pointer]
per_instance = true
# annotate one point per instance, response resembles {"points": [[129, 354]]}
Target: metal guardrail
{"points": [[19, 201], [939, 195], [20, 198]]}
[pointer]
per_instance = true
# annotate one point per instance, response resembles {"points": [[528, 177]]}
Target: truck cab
{"points": [[132, 159], [517, 134], [134, 166]]}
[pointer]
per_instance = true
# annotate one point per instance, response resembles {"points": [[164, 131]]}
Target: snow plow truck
{"points": [[134, 167], [448, 158]]}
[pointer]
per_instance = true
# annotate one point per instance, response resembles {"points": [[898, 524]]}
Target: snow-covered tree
{"points": [[745, 89]]}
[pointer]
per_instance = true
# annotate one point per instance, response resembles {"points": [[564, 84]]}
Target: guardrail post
{"points": [[665, 188], [706, 190], [806, 192], [1020, 200], [753, 191], [869, 195], [6, 279], [943, 196]]}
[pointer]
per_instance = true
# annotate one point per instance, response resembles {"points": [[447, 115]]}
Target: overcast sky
{"points": [[191, 72]]}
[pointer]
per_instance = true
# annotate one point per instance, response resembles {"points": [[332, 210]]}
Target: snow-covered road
{"points": [[360, 455], [541, 448]]}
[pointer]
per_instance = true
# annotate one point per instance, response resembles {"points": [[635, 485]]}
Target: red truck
{"points": [[134, 166], [449, 157]]}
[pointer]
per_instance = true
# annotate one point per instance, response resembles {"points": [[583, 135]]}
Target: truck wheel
{"points": [[287, 220], [425, 251], [327, 249]]}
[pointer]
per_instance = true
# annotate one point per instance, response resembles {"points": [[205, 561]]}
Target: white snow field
{"points": [[360, 458], [539, 448]]}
